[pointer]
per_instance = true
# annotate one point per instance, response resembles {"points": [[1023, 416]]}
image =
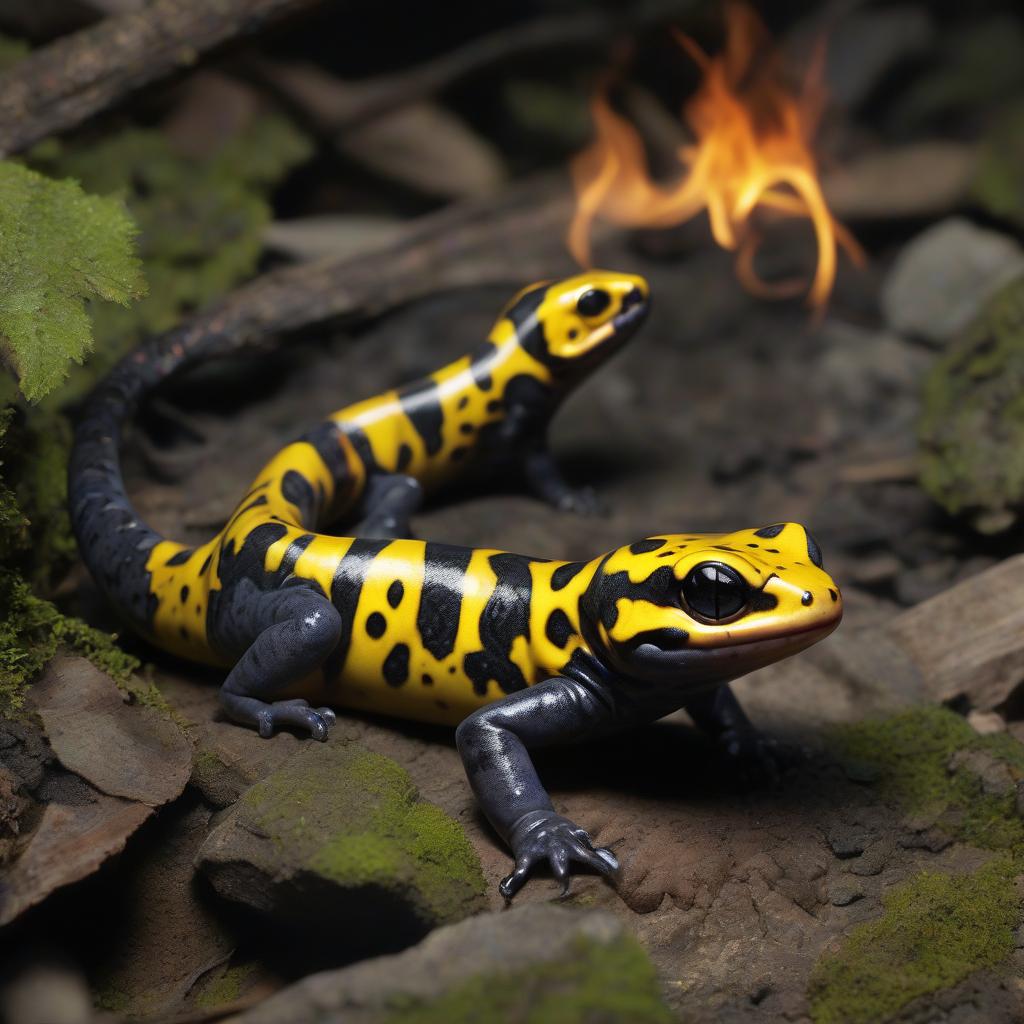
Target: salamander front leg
{"points": [[493, 743], [300, 629], [719, 714], [390, 501], [546, 481]]}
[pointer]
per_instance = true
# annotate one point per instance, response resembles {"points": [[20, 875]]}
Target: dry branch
{"points": [[63, 84]]}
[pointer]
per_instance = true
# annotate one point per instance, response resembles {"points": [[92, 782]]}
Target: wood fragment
{"points": [[61, 85]]}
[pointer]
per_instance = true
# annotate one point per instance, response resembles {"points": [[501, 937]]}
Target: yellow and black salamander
{"points": [[519, 652]]}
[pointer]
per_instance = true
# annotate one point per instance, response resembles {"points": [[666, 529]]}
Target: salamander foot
{"points": [[759, 759], [544, 835], [295, 713]]}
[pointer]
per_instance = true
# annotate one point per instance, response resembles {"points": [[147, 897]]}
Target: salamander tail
{"points": [[114, 542]]}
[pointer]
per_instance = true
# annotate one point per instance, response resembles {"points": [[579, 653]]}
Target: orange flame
{"points": [[751, 150]]}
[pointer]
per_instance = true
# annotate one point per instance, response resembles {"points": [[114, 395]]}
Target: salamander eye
{"points": [[715, 592], [593, 302]]}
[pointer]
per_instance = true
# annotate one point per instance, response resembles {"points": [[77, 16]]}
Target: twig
{"points": [[60, 85]]}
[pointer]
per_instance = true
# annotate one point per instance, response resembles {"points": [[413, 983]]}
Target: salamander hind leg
{"points": [[293, 631], [390, 501]]}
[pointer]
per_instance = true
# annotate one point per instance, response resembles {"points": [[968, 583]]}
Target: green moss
{"points": [[971, 431], [935, 931], [910, 753], [610, 983], [201, 221], [374, 829], [32, 629], [225, 987]]}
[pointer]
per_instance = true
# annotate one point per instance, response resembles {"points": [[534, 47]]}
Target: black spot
{"points": [[346, 587], [505, 617], [494, 405], [376, 624], [297, 491], [774, 551], [769, 532], [180, 558], [833, 594], [667, 554], [184, 632], [807, 598], [761, 601], [481, 364], [396, 665], [600, 601], [564, 574], [751, 545], [443, 705], [184, 593], [463, 402], [558, 628], [459, 453], [404, 457], [813, 551], [427, 680], [421, 402], [395, 593], [466, 428], [437, 619], [573, 333], [644, 547]]}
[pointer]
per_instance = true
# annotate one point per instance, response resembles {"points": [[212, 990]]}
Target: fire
{"points": [[751, 151]]}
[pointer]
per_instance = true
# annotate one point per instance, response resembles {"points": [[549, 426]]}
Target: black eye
{"points": [[714, 591], [593, 302]]}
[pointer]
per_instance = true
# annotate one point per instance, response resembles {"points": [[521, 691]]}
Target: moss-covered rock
{"points": [[930, 761], [536, 964], [971, 432], [935, 931], [338, 837]]}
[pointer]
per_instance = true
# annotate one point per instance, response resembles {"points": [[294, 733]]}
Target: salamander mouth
{"points": [[634, 309]]}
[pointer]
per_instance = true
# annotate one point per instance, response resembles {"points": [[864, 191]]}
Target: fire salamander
{"points": [[519, 652]]}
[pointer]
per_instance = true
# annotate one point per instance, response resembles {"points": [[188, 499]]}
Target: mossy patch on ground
{"points": [[613, 983], [911, 754], [935, 931], [224, 986]]}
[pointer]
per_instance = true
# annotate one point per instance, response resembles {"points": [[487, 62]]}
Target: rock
{"points": [[944, 275], [994, 775], [123, 750], [49, 992], [842, 894], [108, 765], [971, 434], [966, 642], [986, 723], [338, 836], [919, 179], [540, 962]]}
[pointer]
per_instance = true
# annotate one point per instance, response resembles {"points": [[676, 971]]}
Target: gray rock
{"points": [[338, 837], [943, 276], [580, 965]]}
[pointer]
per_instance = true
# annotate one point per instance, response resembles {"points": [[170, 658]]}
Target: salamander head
{"points": [[709, 608], [570, 325]]}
